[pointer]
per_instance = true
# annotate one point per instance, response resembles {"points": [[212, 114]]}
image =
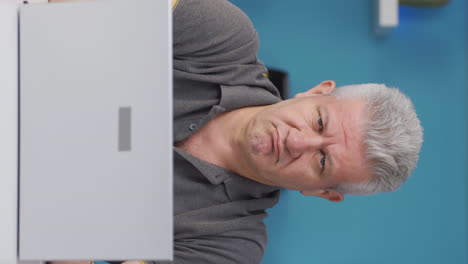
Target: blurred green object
{"points": [[424, 3]]}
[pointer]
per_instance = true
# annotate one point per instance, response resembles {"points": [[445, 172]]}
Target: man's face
{"points": [[309, 143]]}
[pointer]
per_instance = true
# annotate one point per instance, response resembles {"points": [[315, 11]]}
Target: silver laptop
{"points": [[96, 131]]}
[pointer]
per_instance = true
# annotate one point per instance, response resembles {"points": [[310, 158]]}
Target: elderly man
{"points": [[236, 143]]}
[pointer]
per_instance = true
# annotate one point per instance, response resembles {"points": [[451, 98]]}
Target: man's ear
{"points": [[330, 195], [324, 87]]}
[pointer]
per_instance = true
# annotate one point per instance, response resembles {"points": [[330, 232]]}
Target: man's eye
{"points": [[320, 124], [323, 160]]}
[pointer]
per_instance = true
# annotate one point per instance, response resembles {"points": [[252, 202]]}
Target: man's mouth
{"points": [[277, 145]]}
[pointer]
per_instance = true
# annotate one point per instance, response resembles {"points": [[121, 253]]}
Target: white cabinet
{"points": [[8, 131]]}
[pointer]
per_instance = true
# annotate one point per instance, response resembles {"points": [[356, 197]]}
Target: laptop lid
{"points": [[96, 130]]}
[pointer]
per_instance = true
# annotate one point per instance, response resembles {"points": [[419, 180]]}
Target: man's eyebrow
{"points": [[329, 164], [326, 120], [325, 117]]}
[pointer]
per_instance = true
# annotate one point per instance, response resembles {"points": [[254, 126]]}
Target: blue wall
{"points": [[424, 222]]}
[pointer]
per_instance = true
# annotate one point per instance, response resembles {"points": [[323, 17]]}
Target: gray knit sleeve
{"points": [[215, 42]]}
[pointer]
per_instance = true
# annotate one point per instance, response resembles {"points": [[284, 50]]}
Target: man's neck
{"points": [[220, 141]]}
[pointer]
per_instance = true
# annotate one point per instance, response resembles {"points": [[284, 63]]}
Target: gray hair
{"points": [[392, 137]]}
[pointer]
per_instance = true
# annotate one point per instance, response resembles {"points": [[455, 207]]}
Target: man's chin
{"points": [[262, 162], [261, 143]]}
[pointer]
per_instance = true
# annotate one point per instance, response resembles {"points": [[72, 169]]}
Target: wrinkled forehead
{"points": [[349, 117]]}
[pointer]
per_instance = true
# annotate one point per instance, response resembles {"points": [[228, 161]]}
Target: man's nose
{"points": [[299, 142]]}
